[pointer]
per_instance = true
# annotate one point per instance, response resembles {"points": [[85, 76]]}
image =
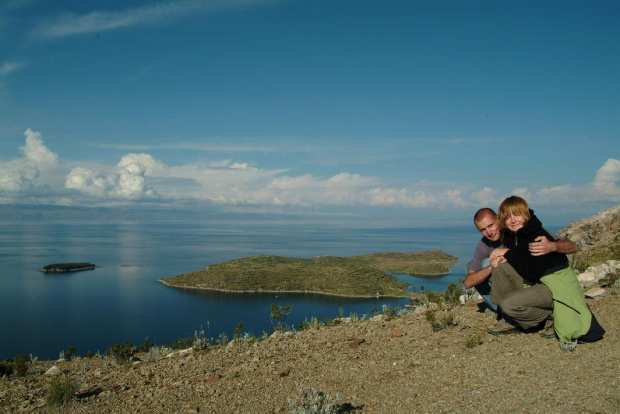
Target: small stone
{"points": [[53, 371], [396, 333], [214, 377], [355, 342], [185, 352], [595, 292]]}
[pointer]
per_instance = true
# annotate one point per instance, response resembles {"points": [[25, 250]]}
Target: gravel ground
{"points": [[394, 365]]}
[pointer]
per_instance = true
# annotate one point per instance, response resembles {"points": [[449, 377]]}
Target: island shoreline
{"points": [[285, 291]]}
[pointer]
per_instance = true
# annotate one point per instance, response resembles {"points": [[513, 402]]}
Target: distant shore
{"points": [[284, 291]]}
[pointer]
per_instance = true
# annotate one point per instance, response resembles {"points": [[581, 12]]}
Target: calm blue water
{"points": [[122, 300]]}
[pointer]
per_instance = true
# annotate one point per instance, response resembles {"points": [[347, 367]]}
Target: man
{"points": [[478, 268], [528, 307]]}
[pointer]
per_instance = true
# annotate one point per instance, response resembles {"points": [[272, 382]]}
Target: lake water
{"points": [[122, 300]]}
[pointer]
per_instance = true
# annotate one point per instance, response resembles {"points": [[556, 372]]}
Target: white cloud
{"points": [[604, 188], [606, 180], [401, 197], [88, 182], [24, 173], [455, 197], [9, 67], [127, 182], [522, 192], [16, 176], [101, 21], [36, 151], [139, 177], [485, 197]]}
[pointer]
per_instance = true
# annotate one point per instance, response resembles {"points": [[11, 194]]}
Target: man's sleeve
{"points": [[554, 236], [480, 254]]}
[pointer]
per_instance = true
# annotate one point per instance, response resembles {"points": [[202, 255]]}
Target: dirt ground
{"points": [[396, 365]]}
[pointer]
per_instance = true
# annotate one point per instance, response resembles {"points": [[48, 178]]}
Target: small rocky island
{"points": [[66, 267], [364, 276]]}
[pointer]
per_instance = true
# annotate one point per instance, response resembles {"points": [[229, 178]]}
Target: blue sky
{"points": [[408, 109]]}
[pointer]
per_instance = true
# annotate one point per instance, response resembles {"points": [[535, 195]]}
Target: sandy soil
{"points": [[394, 365]]}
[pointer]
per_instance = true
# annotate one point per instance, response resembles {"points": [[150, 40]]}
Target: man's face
{"points": [[489, 227]]}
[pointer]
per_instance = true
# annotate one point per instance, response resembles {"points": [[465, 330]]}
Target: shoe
{"points": [[548, 331], [502, 328]]}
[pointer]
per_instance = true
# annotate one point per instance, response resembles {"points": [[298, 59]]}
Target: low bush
{"points": [[453, 293], [447, 320], [473, 341], [121, 353], [316, 402], [61, 390]]}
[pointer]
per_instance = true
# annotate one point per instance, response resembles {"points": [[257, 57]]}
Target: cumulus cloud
{"points": [[127, 182], [15, 177], [139, 177], [606, 180], [88, 182], [35, 151], [485, 197], [455, 197], [604, 188], [24, 173]]}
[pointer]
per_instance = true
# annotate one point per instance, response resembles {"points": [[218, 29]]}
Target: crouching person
{"points": [[552, 283]]}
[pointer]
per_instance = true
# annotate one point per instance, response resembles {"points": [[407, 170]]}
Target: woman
{"points": [[573, 320]]}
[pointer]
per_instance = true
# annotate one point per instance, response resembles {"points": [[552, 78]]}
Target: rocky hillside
{"points": [[598, 238], [384, 365]]}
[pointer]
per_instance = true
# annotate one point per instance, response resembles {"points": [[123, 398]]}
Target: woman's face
{"points": [[514, 221]]}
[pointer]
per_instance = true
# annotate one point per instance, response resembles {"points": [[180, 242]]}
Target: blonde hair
{"points": [[513, 204]]}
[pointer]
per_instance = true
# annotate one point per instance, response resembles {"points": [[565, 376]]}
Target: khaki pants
{"points": [[525, 306]]}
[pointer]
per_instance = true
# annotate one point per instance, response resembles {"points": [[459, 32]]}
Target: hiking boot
{"points": [[502, 327], [548, 331]]}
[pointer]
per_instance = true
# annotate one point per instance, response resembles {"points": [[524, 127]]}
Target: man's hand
{"points": [[542, 246]]}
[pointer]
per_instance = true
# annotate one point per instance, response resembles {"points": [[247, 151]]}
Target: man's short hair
{"points": [[483, 212]]}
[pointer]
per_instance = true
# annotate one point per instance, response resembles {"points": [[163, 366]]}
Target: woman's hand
{"points": [[497, 257]]}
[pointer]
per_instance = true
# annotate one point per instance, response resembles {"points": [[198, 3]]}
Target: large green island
{"points": [[365, 276]]}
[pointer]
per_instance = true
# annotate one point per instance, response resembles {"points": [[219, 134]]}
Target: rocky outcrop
{"points": [[596, 230], [598, 238]]}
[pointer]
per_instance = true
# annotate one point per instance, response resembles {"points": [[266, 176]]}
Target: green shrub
{"points": [[317, 402], [389, 311], [6, 367], [448, 319], [433, 297], [18, 366], [278, 316], [452, 293], [431, 318], [21, 365], [70, 353], [238, 331], [120, 352], [181, 343], [436, 326], [61, 390], [474, 341], [146, 345]]}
